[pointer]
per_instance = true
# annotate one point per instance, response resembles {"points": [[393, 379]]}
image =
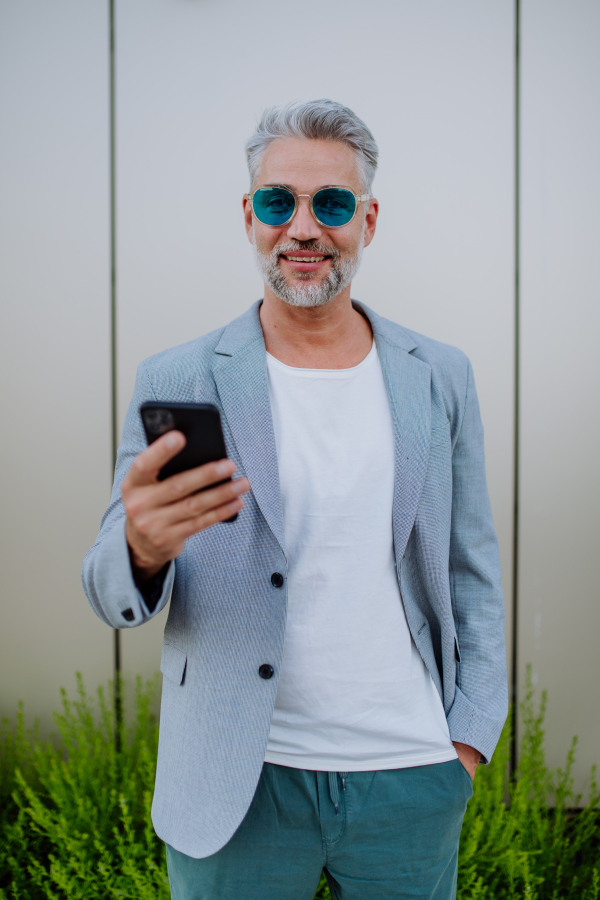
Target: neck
{"points": [[334, 336]]}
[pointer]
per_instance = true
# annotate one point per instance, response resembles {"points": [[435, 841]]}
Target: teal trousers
{"points": [[385, 835]]}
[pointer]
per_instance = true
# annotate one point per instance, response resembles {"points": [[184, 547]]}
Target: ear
{"points": [[248, 218], [371, 221]]}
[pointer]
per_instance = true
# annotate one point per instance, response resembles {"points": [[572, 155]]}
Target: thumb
{"points": [[150, 461]]}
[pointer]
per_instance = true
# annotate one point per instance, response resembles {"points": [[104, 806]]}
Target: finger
{"points": [[161, 534], [188, 527], [148, 463], [184, 483], [203, 503]]}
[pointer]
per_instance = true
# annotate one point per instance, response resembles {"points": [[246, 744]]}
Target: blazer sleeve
{"points": [[481, 701], [106, 574]]}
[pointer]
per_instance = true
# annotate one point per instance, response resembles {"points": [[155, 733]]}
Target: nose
{"points": [[304, 226]]}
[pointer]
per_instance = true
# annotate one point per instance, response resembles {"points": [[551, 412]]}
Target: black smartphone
{"points": [[200, 423]]}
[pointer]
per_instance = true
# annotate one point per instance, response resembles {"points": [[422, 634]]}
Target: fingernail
{"points": [[223, 468], [171, 441]]}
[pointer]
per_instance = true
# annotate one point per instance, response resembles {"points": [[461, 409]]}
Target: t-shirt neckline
{"points": [[324, 373]]}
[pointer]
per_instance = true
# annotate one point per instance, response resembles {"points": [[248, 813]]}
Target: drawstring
{"points": [[334, 791], [334, 788]]}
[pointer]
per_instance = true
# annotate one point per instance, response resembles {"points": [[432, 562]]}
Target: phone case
{"points": [[201, 425]]}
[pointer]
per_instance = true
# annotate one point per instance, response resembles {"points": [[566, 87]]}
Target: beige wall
{"points": [[54, 344], [435, 83], [559, 620]]}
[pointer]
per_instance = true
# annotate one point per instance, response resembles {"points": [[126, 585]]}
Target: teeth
{"points": [[305, 258]]}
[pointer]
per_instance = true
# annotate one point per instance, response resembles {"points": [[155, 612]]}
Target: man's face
{"points": [[305, 263]]}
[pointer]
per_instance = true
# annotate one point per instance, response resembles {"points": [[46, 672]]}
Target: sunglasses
{"points": [[331, 207]]}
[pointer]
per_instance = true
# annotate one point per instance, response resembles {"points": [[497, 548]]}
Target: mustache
{"points": [[308, 246]]}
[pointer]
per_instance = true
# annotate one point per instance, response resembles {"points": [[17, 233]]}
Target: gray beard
{"points": [[341, 273]]}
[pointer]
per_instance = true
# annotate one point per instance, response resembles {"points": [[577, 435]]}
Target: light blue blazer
{"points": [[226, 618]]}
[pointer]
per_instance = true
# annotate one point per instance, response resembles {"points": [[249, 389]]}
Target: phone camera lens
{"points": [[158, 421]]}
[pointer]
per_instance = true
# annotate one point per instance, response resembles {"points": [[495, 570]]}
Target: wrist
{"points": [[141, 574], [468, 755], [141, 569]]}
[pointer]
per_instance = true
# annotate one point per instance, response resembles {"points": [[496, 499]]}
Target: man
{"points": [[334, 662]]}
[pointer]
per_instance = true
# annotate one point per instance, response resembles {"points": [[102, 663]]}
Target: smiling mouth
{"points": [[304, 259]]}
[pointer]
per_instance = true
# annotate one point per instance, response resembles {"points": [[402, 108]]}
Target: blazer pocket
{"points": [[173, 663], [456, 649]]}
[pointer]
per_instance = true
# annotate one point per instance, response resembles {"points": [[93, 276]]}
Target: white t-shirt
{"points": [[354, 693]]}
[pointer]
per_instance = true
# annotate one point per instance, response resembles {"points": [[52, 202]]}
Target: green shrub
{"points": [[530, 837], [76, 823], [75, 814]]}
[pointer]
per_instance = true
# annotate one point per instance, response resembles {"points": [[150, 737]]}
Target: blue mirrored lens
{"points": [[273, 206], [334, 206]]}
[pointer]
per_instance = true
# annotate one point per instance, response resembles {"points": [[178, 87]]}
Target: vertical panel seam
{"points": [[517, 386], [113, 328]]}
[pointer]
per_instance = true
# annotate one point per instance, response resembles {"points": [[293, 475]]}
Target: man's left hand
{"points": [[469, 757]]}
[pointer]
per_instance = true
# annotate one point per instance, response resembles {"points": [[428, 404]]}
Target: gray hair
{"points": [[316, 120]]}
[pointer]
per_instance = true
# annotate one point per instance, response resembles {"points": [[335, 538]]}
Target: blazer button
{"points": [[276, 579], [266, 671]]}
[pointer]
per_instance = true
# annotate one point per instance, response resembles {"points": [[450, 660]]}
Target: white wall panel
{"points": [[559, 620], [54, 350], [433, 80]]}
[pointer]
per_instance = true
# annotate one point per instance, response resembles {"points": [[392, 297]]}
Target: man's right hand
{"points": [[161, 515]]}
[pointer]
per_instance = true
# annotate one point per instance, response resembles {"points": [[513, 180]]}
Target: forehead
{"points": [[307, 165]]}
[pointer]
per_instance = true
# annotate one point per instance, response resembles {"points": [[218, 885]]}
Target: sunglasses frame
{"points": [[359, 198]]}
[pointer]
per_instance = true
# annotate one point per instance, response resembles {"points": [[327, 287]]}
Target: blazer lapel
{"points": [[408, 381], [240, 373]]}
